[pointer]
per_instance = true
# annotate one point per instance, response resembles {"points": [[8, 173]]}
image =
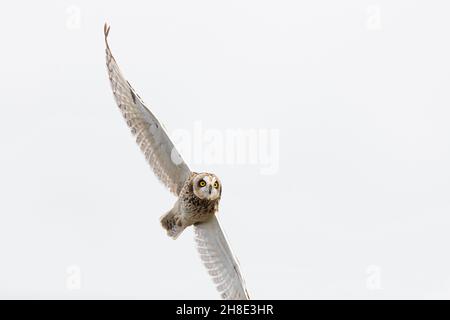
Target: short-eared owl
{"points": [[198, 193]]}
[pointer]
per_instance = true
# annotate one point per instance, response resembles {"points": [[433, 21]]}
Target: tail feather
{"points": [[173, 223]]}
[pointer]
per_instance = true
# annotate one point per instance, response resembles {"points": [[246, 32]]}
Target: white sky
{"points": [[358, 92]]}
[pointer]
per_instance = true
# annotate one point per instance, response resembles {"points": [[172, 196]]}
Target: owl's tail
{"points": [[172, 221]]}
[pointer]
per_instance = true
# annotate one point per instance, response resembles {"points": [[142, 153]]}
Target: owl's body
{"points": [[198, 201]]}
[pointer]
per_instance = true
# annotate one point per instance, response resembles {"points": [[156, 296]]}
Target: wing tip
{"points": [[106, 28]]}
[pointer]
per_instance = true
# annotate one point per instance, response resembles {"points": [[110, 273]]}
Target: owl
{"points": [[198, 194]]}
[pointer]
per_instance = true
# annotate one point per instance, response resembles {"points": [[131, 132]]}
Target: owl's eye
{"points": [[202, 183], [216, 185]]}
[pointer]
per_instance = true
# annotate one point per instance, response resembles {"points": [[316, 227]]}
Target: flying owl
{"points": [[198, 193]]}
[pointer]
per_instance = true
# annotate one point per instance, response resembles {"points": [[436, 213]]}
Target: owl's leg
{"points": [[173, 222]]}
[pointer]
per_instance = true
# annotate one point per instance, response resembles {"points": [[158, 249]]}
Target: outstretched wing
{"points": [[150, 135], [219, 260]]}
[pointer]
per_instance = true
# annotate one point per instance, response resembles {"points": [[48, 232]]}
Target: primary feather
{"points": [[150, 135], [219, 260]]}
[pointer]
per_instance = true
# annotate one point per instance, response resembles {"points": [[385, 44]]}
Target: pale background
{"points": [[358, 90]]}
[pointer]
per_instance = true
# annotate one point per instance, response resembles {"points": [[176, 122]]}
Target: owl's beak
{"points": [[210, 189]]}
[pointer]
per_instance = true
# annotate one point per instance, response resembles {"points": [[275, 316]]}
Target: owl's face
{"points": [[207, 186]]}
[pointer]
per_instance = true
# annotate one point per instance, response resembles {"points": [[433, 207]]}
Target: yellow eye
{"points": [[202, 183], [216, 185]]}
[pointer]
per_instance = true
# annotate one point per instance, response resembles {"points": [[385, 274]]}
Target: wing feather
{"points": [[151, 136], [219, 260]]}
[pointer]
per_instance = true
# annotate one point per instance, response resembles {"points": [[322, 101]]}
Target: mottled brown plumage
{"points": [[195, 204]]}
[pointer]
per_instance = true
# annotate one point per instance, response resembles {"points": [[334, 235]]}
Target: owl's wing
{"points": [[150, 135], [219, 260]]}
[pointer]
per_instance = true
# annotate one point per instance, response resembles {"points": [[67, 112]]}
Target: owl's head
{"points": [[207, 186]]}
